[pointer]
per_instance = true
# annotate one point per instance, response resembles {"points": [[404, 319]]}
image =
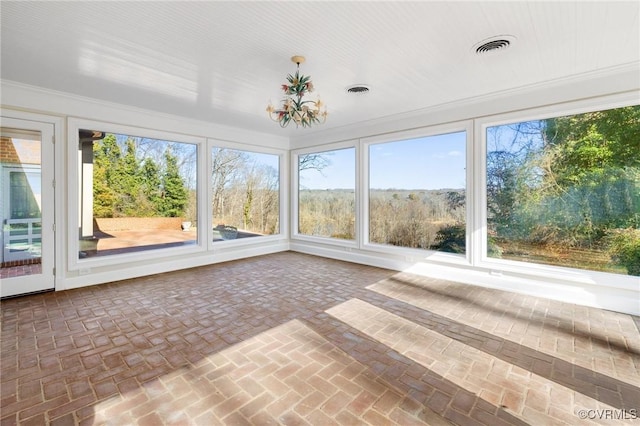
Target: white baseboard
{"points": [[201, 259], [614, 298]]}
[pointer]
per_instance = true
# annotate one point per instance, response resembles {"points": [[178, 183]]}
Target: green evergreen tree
{"points": [[128, 184], [174, 191], [127, 181], [106, 152], [151, 187]]}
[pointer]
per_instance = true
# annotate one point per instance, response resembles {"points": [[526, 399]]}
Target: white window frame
{"points": [[82, 266], [412, 254], [295, 188], [550, 272], [283, 171]]}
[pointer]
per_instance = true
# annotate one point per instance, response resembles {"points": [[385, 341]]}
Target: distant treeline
{"points": [[407, 218]]}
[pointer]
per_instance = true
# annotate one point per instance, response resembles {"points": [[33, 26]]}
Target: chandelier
{"points": [[294, 108]]}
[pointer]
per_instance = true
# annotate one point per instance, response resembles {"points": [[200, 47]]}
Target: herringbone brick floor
{"points": [[295, 339]]}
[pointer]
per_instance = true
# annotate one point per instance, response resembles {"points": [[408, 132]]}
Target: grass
{"points": [[580, 258]]}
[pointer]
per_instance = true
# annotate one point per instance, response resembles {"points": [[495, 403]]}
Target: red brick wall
{"points": [[17, 151], [135, 223]]}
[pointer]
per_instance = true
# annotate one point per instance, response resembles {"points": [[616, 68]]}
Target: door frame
{"points": [[52, 181]]}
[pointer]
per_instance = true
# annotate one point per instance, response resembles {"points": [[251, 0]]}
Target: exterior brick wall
{"points": [[135, 223], [17, 151]]}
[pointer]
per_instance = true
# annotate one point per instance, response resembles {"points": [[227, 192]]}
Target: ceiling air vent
{"points": [[494, 44], [358, 88]]}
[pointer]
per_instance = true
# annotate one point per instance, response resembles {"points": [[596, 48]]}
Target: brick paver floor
{"points": [[295, 339], [20, 270]]}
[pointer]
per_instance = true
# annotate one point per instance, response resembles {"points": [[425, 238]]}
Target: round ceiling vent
{"points": [[358, 88], [494, 44]]}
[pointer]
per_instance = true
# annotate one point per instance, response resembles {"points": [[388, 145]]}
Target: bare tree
{"points": [[225, 164], [314, 161]]}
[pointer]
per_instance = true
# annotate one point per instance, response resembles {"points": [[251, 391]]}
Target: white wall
{"points": [[61, 109], [619, 294]]}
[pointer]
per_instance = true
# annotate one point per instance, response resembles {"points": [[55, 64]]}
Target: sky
{"points": [[433, 162], [271, 160], [339, 174]]}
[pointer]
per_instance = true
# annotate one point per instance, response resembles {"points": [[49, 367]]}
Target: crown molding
{"points": [[593, 84], [27, 97]]}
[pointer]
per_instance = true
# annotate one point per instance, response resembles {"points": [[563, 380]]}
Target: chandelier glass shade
{"points": [[294, 107]]}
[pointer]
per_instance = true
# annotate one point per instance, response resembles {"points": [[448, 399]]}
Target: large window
{"points": [[566, 191], [245, 194], [326, 194], [417, 193], [135, 193]]}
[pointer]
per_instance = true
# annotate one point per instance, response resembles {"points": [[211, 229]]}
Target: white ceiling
{"points": [[224, 61]]}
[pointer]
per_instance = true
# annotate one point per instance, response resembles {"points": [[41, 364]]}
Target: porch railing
{"points": [[21, 239]]}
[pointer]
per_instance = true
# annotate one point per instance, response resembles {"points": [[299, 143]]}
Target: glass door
{"points": [[26, 207]]}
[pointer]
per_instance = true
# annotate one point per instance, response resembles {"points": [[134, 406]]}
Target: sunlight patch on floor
{"points": [[288, 374], [528, 396], [603, 341]]}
